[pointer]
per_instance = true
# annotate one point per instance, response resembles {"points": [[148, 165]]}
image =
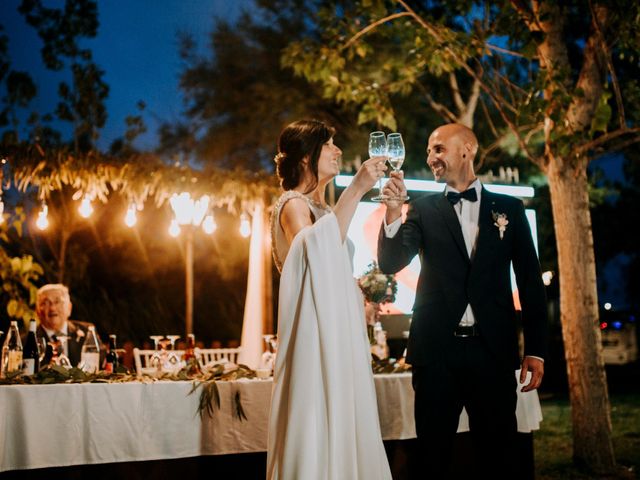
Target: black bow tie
{"points": [[470, 194]]}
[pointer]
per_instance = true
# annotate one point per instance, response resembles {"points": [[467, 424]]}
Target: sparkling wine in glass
{"points": [[396, 152], [378, 148]]}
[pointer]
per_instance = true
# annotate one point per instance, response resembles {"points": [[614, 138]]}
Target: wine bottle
{"points": [[190, 360], [31, 352], [11, 351], [90, 353], [111, 361]]}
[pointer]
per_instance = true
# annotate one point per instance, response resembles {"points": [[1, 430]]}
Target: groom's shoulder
{"points": [[502, 199], [426, 200]]}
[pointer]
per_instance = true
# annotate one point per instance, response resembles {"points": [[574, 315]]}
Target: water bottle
{"points": [[90, 354], [11, 351]]}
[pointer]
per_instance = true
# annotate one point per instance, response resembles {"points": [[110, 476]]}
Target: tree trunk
{"points": [[590, 408]]}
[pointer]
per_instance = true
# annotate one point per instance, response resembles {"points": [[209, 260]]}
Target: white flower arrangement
{"points": [[376, 286], [500, 221]]}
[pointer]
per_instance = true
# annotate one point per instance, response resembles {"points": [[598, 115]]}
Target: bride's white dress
{"points": [[324, 417]]}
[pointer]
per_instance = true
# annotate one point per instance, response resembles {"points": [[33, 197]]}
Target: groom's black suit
{"points": [[450, 372]]}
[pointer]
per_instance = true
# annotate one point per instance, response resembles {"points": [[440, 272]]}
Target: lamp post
{"points": [[189, 214]]}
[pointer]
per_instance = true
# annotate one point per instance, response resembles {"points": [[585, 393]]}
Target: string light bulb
{"points": [[245, 226], [43, 222], [1, 210], [209, 224], [130, 218], [174, 228], [85, 209]]}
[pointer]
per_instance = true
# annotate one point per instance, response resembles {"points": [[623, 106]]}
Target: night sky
{"points": [[137, 48]]}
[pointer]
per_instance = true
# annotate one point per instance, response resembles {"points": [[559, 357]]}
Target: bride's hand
{"points": [[369, 173]]}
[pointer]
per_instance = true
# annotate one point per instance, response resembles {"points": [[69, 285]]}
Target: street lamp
{"points": [[189, 214]]}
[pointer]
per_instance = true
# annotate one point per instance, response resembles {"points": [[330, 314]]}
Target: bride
{"points": [[324, 417]]}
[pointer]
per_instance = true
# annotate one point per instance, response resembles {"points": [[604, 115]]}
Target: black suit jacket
{"points": [[449, 279], [77, 332]]}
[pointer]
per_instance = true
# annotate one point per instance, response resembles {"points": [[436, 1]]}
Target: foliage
{"points": [[18, 273], [144, 177], [82, 102]]}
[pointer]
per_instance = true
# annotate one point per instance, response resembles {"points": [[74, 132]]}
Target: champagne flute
{"points": [[378, 148], [396, 153]]}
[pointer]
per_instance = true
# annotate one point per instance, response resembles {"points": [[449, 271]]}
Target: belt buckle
{"points": [[465, 331]]}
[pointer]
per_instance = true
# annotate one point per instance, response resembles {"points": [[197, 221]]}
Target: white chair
{"points": [[211, 356], [142, 359]]}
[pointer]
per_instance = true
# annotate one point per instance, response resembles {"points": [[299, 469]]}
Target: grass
{"points": [[553, 442]]}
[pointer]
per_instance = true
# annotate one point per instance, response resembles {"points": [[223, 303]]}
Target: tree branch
{"points": [[372, 26], [603, 139], [607, 55], [498, 101], [455, 92]]}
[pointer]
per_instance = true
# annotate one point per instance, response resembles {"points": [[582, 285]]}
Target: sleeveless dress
{"points": [[324, 421]]}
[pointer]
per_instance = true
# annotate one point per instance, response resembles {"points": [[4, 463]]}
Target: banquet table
{"points": [[91, 423]]}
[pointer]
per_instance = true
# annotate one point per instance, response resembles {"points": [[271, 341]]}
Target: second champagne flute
{"points": [[396, 152], [378, 148]]}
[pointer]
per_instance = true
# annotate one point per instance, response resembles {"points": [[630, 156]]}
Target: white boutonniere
{"points": [[500, 221]]}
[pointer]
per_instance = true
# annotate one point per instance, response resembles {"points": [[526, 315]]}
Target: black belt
{"points": [[466, 331]]}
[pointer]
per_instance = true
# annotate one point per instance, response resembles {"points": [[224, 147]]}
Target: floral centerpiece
{"points": [[378, 287]]}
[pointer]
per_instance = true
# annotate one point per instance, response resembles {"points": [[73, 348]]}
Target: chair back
{"points": [[211, 356], [142, 359]]}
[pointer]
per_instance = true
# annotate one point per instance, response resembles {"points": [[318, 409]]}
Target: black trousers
{"points": [[469, 376]]}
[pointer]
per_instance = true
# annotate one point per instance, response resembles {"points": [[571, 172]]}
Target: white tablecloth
{"points": [[74, 424]]}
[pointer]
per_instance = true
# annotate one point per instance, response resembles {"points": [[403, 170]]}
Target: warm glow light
{"points": [[188, 210], [209, 224], [1, 211], [43, 222], [174, 228], [546, 277], [245, 226], [85, 207], [130, 218], [607, 306]]}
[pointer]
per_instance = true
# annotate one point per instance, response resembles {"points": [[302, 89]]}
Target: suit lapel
{"points": [[453, 224], [484, 245]]}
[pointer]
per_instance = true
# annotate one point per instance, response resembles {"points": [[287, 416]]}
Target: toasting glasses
{"points": [[395, 152], [378, 148]]}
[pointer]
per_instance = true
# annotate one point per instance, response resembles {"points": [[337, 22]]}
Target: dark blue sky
{"points": [[136, 47]]}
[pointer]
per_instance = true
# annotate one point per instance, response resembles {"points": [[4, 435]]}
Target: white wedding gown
{"points": [[324, 418]]}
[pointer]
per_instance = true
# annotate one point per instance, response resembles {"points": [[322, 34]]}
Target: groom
{"points": [[463, 344]]}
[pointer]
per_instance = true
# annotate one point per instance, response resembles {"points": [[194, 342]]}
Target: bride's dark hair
{"points": [[298, 140]]}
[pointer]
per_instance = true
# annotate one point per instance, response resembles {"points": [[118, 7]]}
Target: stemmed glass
{"points": [[61, 358], [378, 148], [156, 358], [173, 356], [396, 152]]}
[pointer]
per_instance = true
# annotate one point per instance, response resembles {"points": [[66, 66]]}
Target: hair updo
{"points": [[298, 140]]}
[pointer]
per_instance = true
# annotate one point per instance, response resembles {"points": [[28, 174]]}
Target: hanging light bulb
{"points": [[174, 228], [209, 224], [1, 210], [130, 218], [245, 226], [85, 207], [43, 222]]}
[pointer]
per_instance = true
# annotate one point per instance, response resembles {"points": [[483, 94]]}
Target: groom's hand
{"points": [[394, 188], [536, 367]]}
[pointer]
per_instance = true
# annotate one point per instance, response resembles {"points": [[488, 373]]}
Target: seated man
{"points": [[53, 307]]}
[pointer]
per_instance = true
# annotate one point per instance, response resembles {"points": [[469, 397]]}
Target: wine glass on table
{"points": [[156, 358], [378, 148], [395, 154], [62, 358], [174, 360]]}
